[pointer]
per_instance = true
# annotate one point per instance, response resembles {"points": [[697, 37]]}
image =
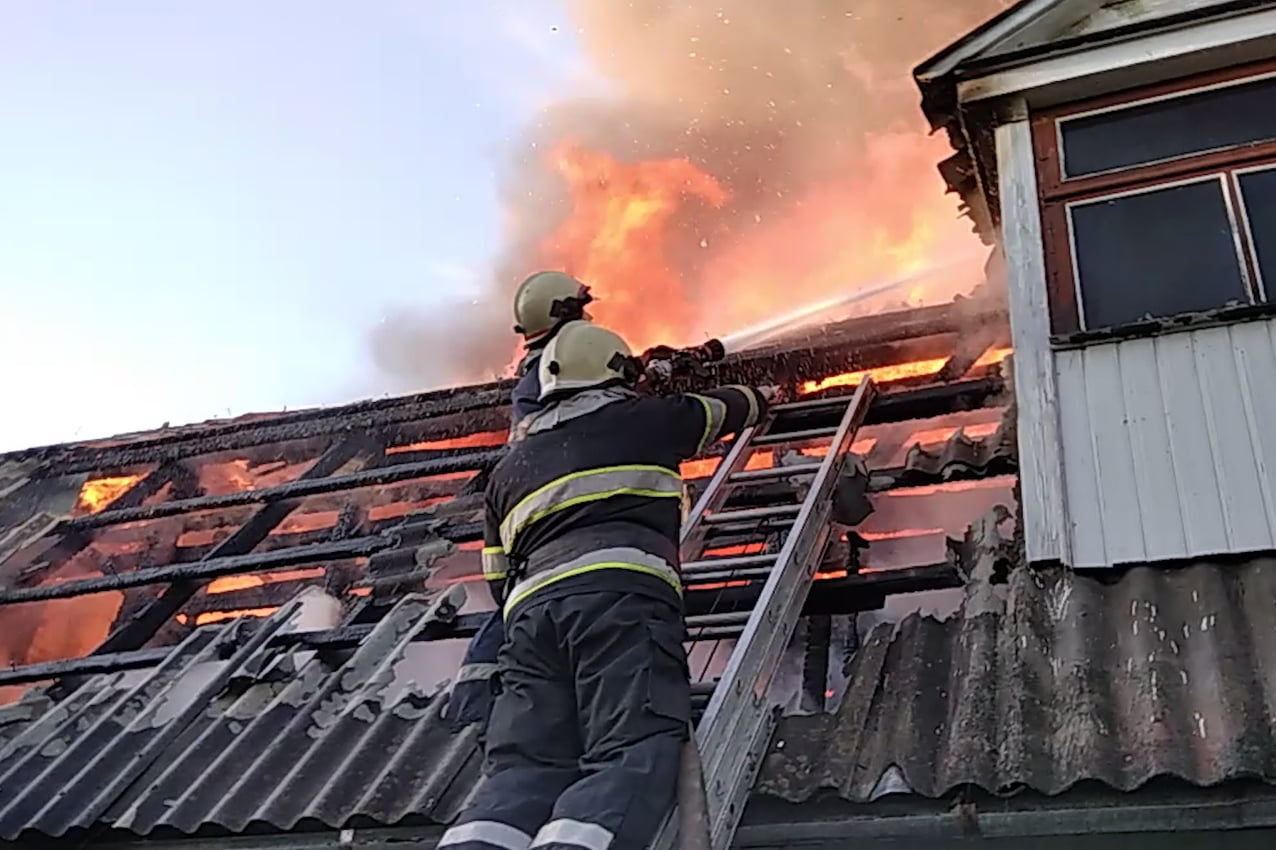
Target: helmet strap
{"points": [[630, 368]]}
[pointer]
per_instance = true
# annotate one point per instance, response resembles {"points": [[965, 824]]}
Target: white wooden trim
{"points": [[1040, 463], [1022, 22], [1086, 61]]}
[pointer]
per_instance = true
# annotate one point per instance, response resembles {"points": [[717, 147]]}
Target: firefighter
{"points": [[543, 303], [581, 545]]}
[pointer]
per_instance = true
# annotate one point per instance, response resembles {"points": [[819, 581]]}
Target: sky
{"points": [[206, 206]]}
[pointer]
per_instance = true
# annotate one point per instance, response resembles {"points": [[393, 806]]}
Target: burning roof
{"points": [[151, 556], [137, 541]]}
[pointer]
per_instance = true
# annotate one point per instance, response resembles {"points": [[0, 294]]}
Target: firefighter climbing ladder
{"points": [[738, 722]]}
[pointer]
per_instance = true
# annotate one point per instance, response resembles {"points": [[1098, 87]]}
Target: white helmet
{"points": [[583, 355], [545, 301]]}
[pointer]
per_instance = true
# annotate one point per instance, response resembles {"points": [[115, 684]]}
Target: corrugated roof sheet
{"points": [[1050, 679], [1042, 680], [226, 737]]}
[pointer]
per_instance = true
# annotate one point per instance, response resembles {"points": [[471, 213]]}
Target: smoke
{"points": [[775, 100]]}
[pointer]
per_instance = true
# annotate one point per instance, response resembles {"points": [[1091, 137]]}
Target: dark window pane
{"points": [[1212, 120], [1156, 253], [1258, 188]]}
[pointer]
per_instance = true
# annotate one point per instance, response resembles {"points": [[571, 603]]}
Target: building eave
{"points": [[1079, 814]]}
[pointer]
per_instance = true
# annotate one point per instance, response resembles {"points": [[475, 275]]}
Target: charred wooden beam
{"points": [[293, 490], [915, 403], [815, 662], [202, 570], [69, 543], [365, 417], [972, 346], [145, 623], [797, 366], [832, 596], [429, 409]]}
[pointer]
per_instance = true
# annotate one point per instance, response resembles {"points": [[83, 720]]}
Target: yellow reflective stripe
{"points": [[752, 417], [620, 557], [606, 565], [588, 486], [715, 414], [495, 564]]}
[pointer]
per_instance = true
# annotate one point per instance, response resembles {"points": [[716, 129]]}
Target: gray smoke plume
{"points": [[773, 99]]}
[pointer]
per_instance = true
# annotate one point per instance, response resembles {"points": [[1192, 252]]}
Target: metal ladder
{"points": [[738, 721]]}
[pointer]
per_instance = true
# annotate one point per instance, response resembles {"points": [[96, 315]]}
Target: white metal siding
{"points": [[1169, 445]]}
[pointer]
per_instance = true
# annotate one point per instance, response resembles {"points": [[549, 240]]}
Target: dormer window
{"points": [[1159, 202]]}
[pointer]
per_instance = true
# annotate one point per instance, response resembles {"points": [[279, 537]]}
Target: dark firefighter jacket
{"points": [[527, 392], [472, 696], [590, 499]]}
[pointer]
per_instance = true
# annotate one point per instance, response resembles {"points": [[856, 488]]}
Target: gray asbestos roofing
{"points": [[1041, 680], [1049, 680]]}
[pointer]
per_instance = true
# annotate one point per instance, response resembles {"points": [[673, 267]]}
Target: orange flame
{"points": [[916, 369], [469, 441], [626, 235], [226, 584], [220, 616], [97, 493], [615, 237]]}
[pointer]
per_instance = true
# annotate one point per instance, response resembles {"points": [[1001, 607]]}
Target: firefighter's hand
{"points": [[769, 393]]}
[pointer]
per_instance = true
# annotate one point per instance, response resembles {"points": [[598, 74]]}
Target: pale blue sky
{"points": [[206, 205]]}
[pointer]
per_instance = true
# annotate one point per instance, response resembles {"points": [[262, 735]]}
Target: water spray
{"points": [[760, 333]]}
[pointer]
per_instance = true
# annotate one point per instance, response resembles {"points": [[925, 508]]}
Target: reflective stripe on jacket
{"points": [[600, 491]]}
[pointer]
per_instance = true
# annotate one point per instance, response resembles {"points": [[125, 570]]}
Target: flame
{"points": [[615, 237], [97, 493], [916, 369], [703, 468], [628, 230], [226, 584], [298, 523], [899, 533], [236, 475], [738, 549], [220, 616], [55, 629], [719, 585], [477, 440], [398, 509], [952, 487]]}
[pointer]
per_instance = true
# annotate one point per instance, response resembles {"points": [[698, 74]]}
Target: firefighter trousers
{"points": [[586, 735]]}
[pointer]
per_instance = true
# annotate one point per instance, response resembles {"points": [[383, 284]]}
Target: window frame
{"points": [[1057, 194]]}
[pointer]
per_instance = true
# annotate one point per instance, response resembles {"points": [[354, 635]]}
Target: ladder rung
{"points": [[811, 403], [794, 436], [715, 564], [776, 472], [730, 618], [708, 633], [727, 575], [749, 514]]}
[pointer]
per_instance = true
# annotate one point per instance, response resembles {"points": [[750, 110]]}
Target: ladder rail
{"points": [[690, 530], [738, 713]]}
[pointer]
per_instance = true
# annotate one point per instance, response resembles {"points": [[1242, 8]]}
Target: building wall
{"points": [[1169, 445]]}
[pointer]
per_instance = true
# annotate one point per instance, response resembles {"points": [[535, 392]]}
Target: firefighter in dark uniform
{"points": [[581, 545], [543, 303]]}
